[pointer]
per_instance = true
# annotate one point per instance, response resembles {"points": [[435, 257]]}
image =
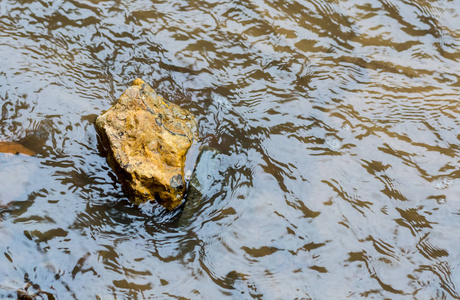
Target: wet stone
{"points": [[147, 140], [14, 148], [177, 182]]}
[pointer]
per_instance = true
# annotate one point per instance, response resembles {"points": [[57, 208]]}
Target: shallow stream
{"points": [[338, 124]]}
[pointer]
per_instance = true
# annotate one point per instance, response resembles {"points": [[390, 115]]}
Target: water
{"points": [[337, 122]]}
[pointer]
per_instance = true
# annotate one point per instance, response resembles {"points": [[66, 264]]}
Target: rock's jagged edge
{"points": [[147, 139]]}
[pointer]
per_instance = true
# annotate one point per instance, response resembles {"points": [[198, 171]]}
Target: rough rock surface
{"points": [[148, 139]]}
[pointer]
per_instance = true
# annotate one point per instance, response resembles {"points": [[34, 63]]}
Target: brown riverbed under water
{"points": [[338, 124]]}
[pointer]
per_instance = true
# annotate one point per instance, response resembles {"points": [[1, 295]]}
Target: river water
{"points": [[338, 125]]}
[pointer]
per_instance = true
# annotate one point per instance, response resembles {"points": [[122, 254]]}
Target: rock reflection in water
{"points": [[337, 128]]}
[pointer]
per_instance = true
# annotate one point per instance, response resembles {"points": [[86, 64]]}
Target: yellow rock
{"points": [[14, 148], [147, 139]]}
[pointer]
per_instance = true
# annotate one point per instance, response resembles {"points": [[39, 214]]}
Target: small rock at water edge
{"points": [[14, 148]]}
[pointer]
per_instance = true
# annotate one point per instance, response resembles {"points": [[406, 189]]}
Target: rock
{"points": [[147, 139], [14, 148]]}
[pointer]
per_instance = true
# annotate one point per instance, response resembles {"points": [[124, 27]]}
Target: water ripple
{"points": [[336, 124]]}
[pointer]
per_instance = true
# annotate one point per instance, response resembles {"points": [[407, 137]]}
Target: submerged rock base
{"points": [[147, 139]]}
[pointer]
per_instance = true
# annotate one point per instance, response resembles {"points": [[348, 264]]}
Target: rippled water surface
{"points": [[338, 124]]}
